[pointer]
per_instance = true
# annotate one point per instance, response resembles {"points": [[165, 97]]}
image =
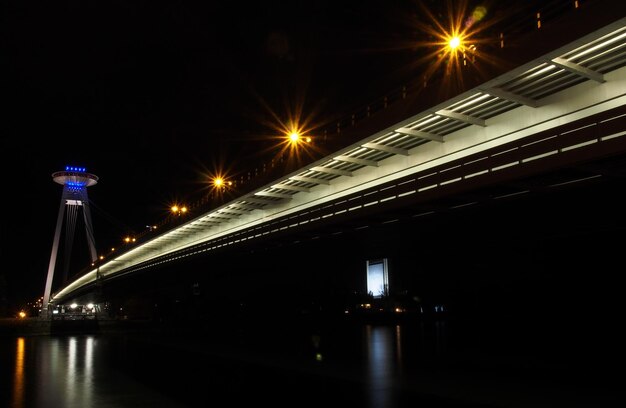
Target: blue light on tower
{"points": [[74, 168]]}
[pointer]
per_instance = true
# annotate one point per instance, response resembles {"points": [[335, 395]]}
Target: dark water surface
{"points": [[412, 364]]}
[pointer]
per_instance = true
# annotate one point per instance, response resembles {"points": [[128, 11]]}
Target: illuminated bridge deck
{"points": [[565, 106]]}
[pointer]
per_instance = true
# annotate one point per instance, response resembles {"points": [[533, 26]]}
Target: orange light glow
{"points": [[295, 138], [291, 130], [176, 209], [454, 40]]}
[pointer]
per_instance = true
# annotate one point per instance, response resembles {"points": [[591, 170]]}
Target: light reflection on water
{"points": [[18, 378], [68, 372], [386, 357], [381, 368], [59, 373]]}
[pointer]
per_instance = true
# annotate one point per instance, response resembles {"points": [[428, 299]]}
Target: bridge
{"points": [[554, 121]]}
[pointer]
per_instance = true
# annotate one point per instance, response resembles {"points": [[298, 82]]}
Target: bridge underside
{"points": [[535, 245]]}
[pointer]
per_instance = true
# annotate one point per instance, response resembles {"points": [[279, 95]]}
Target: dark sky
{"points": [[154, 96]]}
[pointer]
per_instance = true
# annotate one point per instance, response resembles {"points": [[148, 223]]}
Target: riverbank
{"points": [[40, 327], [24, 327]]}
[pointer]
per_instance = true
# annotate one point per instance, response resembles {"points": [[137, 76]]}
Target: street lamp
{"points": [[454, 42], [220, 184], [178, 210], [295, 139]]}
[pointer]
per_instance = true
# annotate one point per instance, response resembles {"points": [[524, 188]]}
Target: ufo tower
{"points": [[75, 181]]}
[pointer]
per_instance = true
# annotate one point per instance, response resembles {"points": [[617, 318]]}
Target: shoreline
{"points": [[15, 327], [34, 326]]}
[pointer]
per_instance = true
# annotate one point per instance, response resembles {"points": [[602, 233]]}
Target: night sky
{"points": [[154, 97]]}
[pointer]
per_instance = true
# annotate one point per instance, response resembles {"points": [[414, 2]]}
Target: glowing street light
{"points": [[295, 138], [220, 183], [178, 210], [289, 131], [454, 42]]}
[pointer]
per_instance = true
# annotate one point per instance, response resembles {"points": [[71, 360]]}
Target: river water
{"points": [[409, 364]]}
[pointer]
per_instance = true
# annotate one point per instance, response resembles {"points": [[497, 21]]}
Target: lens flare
{"points": [[452, 40], [454, 43], [292, 134]]}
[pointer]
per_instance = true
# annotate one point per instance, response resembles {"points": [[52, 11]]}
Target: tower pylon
{"points": [[75, 181]]}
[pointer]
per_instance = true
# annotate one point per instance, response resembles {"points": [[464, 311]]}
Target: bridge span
{"points": [[552, 123]]}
